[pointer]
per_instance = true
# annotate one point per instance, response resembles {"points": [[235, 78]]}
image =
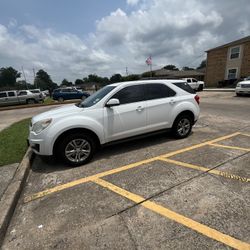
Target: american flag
{"points": [[149, 61]]}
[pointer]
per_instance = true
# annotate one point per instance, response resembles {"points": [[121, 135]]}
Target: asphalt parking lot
{"points": [[153, 193]]}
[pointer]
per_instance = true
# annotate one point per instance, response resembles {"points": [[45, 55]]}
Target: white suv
{"points": [[115, 112]]}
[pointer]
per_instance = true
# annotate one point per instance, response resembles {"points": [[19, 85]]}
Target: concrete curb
{"points": [[35, 105], [219, 90], [12, 193]]}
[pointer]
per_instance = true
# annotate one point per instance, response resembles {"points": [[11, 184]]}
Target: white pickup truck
{"points": [[13, 97], [195, 84]]}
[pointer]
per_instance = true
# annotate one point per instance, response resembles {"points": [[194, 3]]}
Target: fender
{"points": [[184, 106], [68, 123]]}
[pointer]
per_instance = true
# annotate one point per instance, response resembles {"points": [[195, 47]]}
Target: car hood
{"points": [[57, 112], [244, 82]]}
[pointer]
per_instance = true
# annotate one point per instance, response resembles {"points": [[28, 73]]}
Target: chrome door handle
{"points": [[172, 102], [140, 108]]}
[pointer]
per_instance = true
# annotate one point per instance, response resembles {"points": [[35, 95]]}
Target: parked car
{"points": [[195, 84], [38, 91], [242, 88], [13, 97], [62, 94], [117, 111]]}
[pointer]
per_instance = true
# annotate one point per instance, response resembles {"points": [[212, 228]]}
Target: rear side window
{"points": [[22, 93], [3, 94], [184, 86], [130, 94], [157, 91], [11, 93]]}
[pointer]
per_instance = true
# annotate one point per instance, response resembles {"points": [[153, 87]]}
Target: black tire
{"points": [[182, 126], [30, 101], [83, 97], [60, 99], [200, 87], [238, 94], [72, 142]]}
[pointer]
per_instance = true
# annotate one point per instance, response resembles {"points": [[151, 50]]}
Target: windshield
{"points": [[96, 97]]}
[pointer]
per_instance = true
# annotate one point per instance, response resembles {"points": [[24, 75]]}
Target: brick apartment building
{"points": [[228, 63]]}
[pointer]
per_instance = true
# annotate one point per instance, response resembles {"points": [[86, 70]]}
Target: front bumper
{"points": [[242, 90], [39, 145]]}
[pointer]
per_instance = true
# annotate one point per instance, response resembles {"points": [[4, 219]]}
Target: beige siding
{"points": [[245, 67], [216, 64]]}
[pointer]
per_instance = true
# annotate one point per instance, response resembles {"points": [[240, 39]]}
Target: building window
{"points": [[232, 74], [235, 53]]}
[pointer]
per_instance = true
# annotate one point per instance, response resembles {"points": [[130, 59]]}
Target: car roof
{"points": [[146, 81]]}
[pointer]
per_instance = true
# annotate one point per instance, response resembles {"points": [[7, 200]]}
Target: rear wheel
{"points": [[30, 101], [60, 99], [76, 149], [182, 126]]}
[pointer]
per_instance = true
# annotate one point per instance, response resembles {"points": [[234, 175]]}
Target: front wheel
{"points": [[76, 149], [182, 126], [200, 88]]}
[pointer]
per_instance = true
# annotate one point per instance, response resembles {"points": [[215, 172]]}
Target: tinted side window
{"points": [[157, 90], [22, 93], [11, 93], [3, 95], [64, 90], [185, 86], [130, 94], [188, 80]]}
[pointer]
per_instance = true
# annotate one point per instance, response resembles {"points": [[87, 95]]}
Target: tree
{"points": [[171, 67], [8, 76], [43, 81], [148, 74], [187, 68], [202, 65], [65, 82], [79, 82], [116, 78], [131, 78]]}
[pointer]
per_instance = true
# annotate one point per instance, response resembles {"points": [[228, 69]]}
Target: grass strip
{"points": [[13, 143]]}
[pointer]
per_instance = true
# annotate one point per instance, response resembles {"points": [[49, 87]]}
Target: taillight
{"points": [[197, 99]]}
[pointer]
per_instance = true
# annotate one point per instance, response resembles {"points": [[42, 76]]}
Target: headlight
{"points": [[38, 127], [238, 85]]}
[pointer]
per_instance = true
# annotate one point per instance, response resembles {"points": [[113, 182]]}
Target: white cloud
{"points": [[172, 31], [132, 2]]}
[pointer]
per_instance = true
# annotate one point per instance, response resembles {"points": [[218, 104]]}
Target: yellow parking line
{"points": [[210, 171], [120, 169], [194, 225], [245, 134], [86, 179], [229, 147], [199, 145]]}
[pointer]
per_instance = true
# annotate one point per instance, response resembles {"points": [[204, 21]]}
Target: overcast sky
{"points": [[71, 39]]}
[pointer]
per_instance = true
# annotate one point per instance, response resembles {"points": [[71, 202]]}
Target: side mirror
{"points": [[112, 102]]}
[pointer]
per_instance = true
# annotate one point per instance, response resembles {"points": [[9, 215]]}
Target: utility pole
{"points": [[126, 71], [34, 77], [24, 78]]}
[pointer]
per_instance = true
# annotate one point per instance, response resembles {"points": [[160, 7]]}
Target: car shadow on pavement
{"points": [[50, 164]]}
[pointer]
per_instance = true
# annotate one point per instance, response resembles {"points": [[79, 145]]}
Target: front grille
{"points": [[245, 85]]}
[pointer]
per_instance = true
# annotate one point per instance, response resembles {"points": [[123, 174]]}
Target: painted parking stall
{"points": [[164, 159]]}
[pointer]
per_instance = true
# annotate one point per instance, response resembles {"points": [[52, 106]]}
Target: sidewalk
{"points": [[219, 89], [6, 175]]}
